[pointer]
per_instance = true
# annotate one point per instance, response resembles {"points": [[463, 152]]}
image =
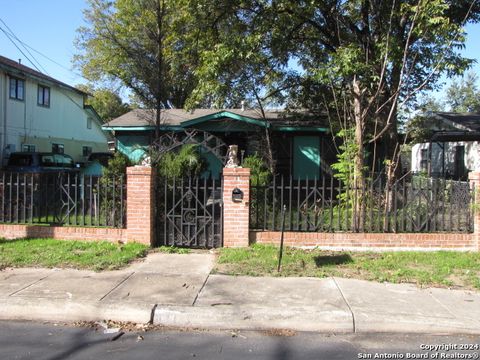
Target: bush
{"points": [[259, 172], [111, 184], [117, 166], [187, 162]]}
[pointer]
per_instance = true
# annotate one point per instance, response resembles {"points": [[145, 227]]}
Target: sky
{"points": [[49, 27]]}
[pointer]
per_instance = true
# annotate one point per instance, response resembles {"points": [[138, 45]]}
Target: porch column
{"points": [[140, 204], [474, 178], [236, 211]]}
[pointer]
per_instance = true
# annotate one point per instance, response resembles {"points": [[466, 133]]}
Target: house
{"points": [[301, 142], [452, 149], [40, 113]]}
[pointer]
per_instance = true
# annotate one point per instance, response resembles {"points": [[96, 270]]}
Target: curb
{"points": [[225, 317], [254, 318], [54, 310]]}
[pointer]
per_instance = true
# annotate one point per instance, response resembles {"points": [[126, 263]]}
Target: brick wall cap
{"points": [[236, 171], [139, 170]]}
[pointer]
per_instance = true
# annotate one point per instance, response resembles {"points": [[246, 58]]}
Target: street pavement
{"points": [[179, 290], [22, 340]]}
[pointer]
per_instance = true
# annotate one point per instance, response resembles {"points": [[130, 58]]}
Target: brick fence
{"points": [[62, 232], [140, 223], [369, 241], [382, 241]]}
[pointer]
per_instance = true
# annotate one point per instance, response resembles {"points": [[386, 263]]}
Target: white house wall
{"points": [[64, 121], [472, 156]]}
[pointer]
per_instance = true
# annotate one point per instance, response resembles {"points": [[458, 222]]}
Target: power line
{"points": [[16, 38], [53, 61], [39, 53], [24, 45], [13, 42]]}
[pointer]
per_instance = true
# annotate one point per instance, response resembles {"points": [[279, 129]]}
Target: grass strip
{"points": [[437, 268], [91, 255]]}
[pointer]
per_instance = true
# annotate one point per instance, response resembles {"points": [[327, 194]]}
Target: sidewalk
{"points": [[177, 290]]}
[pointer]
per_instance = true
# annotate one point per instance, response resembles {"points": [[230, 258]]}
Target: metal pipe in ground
{"points": [[280, 254]]}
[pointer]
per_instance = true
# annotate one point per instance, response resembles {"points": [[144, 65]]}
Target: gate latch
{"points": [[237, 195]]}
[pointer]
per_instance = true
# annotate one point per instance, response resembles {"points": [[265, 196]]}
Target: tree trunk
{"points": [[158, 111], [358, 187], [159, 96], [270, 159]]}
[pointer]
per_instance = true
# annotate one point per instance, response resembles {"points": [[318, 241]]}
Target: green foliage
{"points": [[114, 175], [147, 46], [421, 127], [172, 250], [238, 65], [367, 61], [117, 166], [362, 62], [92, 255], [259, 172], [187, 162], [464, 95], [344, 167], [107, 103]]}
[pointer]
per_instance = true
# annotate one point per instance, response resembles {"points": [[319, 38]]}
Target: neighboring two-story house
{"points": [[39, 113]]}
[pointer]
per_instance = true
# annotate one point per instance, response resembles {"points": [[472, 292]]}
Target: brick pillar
{"points": [[474, 178], [140, 204], [236, 214]]}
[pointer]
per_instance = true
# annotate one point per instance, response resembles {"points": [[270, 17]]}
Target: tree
{"points": [[144, 45], [107, 103], [238, 70], [374, 56], [464, 96], [377, 56]]}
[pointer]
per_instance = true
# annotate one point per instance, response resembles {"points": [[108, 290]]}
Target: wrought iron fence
{"points": [[189, 212], [412, 204], [62, 199]]}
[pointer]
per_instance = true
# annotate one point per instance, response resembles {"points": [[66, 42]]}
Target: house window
{"points": [[86, 150], [89, 122], [17, 89], [57, 148], [43, 96], [28, 148], [424, 160]]}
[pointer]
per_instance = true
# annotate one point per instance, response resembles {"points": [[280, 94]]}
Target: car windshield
{"points": [[20, 160], [67, 162], [47, 161]]}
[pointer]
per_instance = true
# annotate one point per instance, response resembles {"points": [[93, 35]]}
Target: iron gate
{"points": [[189, 212]]}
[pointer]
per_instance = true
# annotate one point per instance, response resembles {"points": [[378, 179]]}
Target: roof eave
{"points": [[43, 80], [225, 114], [106, 127]]}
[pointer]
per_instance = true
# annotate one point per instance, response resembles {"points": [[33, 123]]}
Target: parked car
{"points": [[40, 162]]}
